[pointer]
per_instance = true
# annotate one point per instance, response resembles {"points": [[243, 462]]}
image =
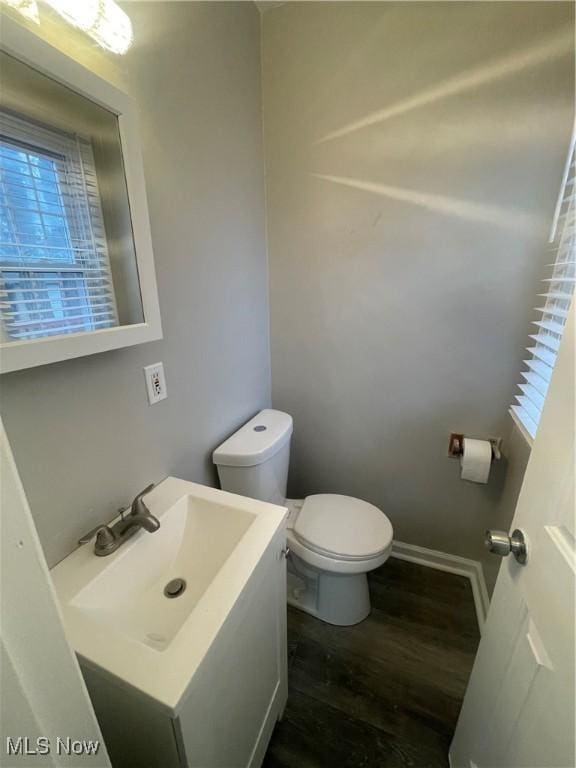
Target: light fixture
{"points": [[103, 20], [28, 8]]}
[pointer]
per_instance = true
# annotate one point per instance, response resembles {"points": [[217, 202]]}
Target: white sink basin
{"points": [[115, 610], [195, 539]]}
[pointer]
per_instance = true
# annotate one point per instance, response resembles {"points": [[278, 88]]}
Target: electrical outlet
{"points": [[155, 383]]}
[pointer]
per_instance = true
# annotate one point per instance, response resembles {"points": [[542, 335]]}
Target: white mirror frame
{"points": [[24, 45]]}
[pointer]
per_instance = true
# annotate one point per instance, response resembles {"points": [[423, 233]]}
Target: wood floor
{"points": [[386, 692]]}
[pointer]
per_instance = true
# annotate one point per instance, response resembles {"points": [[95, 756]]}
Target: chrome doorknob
{"points": [[500, 543]]}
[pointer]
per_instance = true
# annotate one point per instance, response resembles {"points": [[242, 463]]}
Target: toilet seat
{"points": [[342, 528]]}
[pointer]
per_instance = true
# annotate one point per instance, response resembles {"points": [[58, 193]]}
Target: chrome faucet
{"points": [[109, 538]]}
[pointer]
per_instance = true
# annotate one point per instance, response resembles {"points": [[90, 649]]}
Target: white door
{"points": [[519, 707], [46, 718]]}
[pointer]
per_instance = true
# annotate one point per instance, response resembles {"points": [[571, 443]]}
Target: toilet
{"points": [[333, 540]]}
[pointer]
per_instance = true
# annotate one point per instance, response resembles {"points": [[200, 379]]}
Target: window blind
{"points": [[54, 266], [556, 298]]}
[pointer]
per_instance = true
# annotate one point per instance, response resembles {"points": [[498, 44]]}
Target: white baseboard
{"points": [[442, 561]]}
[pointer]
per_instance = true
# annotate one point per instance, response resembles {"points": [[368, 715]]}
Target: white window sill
{"points": [[522, 429]]}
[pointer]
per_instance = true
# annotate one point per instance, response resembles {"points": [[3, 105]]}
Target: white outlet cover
{"points": [[155, 383]]}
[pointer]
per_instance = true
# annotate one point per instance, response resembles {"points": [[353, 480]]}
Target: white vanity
{"points": [[197, 679]]}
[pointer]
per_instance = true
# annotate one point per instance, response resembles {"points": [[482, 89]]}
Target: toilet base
{"points": [[336, 598]]}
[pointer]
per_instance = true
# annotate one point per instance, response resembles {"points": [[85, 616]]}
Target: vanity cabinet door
{"points": [[137, 734], [240, 689]]}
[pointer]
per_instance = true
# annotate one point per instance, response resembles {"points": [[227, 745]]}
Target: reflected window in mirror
{"points": [[54, 260]]}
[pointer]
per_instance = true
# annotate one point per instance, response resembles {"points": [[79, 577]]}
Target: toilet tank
{"points": [[254, 460]]}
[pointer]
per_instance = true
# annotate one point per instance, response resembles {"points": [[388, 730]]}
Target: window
{"points": [[54, 264], [554, 306]]}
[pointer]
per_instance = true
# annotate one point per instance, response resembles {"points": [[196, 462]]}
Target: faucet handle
{"points": [[106, 541], [99, 531], [137, 504]]}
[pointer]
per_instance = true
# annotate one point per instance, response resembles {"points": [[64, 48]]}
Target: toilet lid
{"points": [[343, 526]]}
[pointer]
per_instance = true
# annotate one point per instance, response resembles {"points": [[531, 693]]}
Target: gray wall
{"points": [[414, 153], [83, 435]]}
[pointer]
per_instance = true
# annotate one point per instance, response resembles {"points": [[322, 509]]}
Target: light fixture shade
{"points": [[103, 20]]}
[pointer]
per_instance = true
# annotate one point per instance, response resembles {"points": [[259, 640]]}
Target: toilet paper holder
{"points": [[456, 446]]}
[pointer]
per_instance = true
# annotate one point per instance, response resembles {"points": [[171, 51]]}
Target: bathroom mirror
{"points": [[76, 264]]}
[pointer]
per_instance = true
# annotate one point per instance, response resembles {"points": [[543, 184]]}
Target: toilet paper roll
{"points": [[476, 460]]}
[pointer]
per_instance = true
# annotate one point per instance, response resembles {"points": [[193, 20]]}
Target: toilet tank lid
{"points": [[255, 442]]}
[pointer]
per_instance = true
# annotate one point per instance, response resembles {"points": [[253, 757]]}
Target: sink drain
{"points": [[175, 588]]}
